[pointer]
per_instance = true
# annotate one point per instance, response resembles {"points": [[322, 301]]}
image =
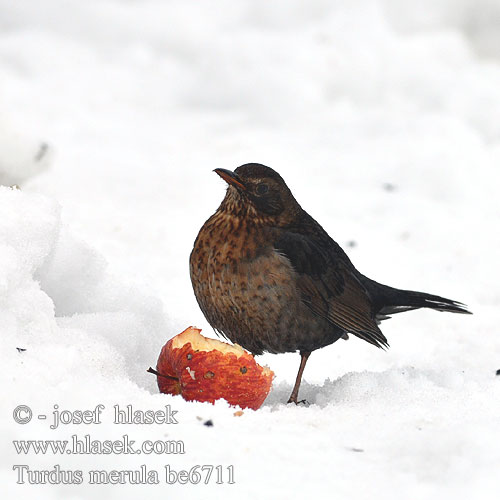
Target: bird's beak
{"points": [[230, 177]]}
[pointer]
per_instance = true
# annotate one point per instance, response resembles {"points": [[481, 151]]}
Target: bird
{"points": [[268, 277]]}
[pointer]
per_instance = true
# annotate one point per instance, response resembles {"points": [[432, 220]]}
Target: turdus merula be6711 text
{"points": [[268, 277]]}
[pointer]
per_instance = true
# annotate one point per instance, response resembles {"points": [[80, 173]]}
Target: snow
{"points": [[384, 119]]}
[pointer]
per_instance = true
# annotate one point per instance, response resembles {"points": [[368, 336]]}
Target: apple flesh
{"points": [[203, 369]]}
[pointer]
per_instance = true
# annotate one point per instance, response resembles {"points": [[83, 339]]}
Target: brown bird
{"points": [[268, 277]]}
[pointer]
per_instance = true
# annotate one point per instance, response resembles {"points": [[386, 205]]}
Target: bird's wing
{"points": [[328, 283]]}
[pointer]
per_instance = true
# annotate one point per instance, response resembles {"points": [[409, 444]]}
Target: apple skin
{"points": [[202, 369]]}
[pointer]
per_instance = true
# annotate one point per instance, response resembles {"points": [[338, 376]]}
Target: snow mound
{"points": [[55, 291]]}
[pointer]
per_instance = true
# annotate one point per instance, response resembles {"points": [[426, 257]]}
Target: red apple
{"points": [[203, 369]]}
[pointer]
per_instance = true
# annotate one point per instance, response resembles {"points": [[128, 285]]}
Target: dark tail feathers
{"points": [[406, 300], [389, 300]]}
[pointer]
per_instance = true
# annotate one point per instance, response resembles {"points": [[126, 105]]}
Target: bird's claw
{"points": [[297, 403]]}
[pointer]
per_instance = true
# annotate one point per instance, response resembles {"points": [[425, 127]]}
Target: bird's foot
{"points": [[301, 402]]}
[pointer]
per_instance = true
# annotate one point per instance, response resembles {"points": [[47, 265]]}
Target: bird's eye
{"points": [[261, 188]]}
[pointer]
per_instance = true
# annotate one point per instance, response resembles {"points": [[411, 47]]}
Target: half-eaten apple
{"points": [[203, 369]]}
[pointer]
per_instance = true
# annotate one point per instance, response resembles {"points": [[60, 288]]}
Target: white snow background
{"points": [[384, 119]]}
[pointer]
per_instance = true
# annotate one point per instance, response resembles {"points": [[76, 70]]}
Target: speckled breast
{"points": [[245, 288]]}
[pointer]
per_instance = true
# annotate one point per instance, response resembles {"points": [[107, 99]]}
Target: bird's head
{"points": [[258, 192]]}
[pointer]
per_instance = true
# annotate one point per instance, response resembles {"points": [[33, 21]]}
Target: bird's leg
{"points": [[303, 360]]}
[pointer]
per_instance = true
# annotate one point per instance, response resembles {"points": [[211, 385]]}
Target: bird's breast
{"points": [[244, 287]]}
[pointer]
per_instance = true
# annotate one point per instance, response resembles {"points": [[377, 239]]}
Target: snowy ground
{"points": [[384, 119]]}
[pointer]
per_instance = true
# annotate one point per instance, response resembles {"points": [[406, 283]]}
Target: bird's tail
{"points": [[393, 300], [406, 300]]}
